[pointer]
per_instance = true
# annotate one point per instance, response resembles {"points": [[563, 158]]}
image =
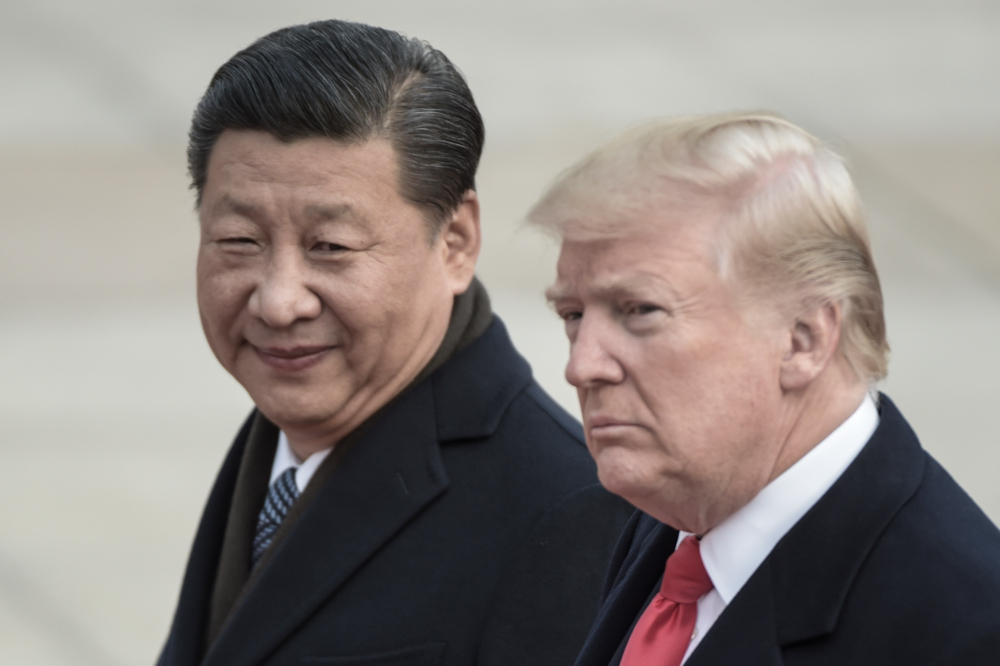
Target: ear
{"points": [[459, 240], [812, 345]]}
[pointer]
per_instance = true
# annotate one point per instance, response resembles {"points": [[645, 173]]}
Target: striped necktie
{"points": [[280, 498]]}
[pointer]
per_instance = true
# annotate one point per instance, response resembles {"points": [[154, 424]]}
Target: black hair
{"points": [[350, 82]]}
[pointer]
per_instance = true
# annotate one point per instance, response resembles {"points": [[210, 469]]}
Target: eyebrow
{"points": [[612, 287], [321, 212], [342, 212], [242, 208], [556, 292], [329, 211]]}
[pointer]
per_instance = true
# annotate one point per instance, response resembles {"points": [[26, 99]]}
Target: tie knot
{"points": [[685, 579]]}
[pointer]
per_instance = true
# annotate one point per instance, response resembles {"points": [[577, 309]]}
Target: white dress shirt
{"points": [[284, 458], [733, 549]]}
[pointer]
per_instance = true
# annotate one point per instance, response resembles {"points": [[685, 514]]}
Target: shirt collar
{"points": [[284, 458], [733, 549]]}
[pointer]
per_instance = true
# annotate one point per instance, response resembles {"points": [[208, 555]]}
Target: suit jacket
{"points": [[465, 526], [894, 565]]}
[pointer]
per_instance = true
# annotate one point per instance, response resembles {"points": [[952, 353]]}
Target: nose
{"points": [[591, 361], [283, 295]]}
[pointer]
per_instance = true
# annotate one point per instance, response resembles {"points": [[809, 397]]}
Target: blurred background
{"points": [[114, 416]]}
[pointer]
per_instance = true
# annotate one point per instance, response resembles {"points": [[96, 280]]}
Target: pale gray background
{"points": [[113, 414]]}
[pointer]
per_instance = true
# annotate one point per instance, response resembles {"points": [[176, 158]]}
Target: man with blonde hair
{"points": [[726, 331]]}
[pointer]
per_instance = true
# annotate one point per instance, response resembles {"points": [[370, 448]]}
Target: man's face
{"points": [[318, 287], [679, 391]]}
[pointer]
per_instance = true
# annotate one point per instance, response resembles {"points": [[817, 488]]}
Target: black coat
{"points": [[465, 527], [894, 565]]}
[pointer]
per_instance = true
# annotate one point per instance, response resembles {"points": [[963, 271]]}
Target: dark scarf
{"points": [[470, 317]]}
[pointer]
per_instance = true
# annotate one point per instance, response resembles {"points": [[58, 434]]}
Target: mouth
{"points": [[291, 359], [603, 426]]}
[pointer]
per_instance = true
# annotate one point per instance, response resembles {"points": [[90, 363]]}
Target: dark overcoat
{"points": [[895, 565], [465, 526]]}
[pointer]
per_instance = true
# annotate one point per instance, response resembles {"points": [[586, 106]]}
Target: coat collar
{"points": [[473, 390], [391, 474], [800, 589], [815, 565]]}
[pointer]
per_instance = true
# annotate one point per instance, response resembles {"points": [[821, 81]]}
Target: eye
{"points": [[569, 315], [239, 244], [643, 309], [642, 318], [328, 247]]}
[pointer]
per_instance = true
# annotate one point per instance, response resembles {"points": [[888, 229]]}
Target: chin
{"points": [[295, 410], [621, 480]]}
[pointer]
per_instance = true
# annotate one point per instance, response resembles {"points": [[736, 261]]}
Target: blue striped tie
{"points": [[280, 498]]}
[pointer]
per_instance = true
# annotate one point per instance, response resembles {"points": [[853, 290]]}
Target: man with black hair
{"points": [[404, 492]]}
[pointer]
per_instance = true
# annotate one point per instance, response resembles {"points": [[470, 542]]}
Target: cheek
{"points": [[222, 295], [748, 409], [357, 305], [704, 395], [754, 378], [407, 291], [370, 308]]}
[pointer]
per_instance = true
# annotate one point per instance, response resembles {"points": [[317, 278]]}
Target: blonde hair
{"points": [[792, 223]]}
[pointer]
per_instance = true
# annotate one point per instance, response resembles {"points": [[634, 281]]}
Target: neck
{"points": [[812, 414], [807, 417]]}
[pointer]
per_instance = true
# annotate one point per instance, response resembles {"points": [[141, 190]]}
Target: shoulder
{"points": [[535, 411], [933, 571], [545, 445], [535, 398], [939, 528], [488, 405], [935, 566], [942, 531]]}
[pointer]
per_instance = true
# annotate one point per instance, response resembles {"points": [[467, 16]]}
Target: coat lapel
{"points": [[185, 644], [248, 497], [745, 632], [652, 543], [389, 476]]}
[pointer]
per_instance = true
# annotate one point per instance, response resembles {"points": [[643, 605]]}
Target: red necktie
{"points": [[662, 634]]}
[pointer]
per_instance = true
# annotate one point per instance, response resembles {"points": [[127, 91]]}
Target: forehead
{"points": [[249, 167], [664, 254]]}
